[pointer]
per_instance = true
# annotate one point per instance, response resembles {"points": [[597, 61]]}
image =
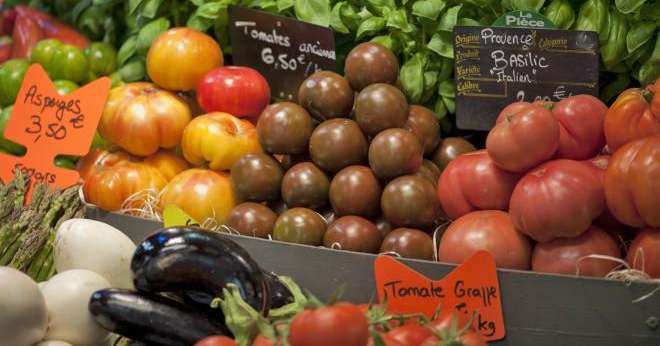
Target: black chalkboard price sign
{"points": [[495, 66], [286, 51]]}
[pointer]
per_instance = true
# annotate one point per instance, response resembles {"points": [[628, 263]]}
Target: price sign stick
{"points": [[49, 124]]}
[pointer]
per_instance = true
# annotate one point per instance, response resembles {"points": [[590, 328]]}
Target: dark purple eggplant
{"points": [[279, 294], [198, 264], [151, 318]]}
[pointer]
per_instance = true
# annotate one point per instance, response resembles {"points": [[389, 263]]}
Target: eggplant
{"points": [[279, 293], [151, 318], [197, 264]]}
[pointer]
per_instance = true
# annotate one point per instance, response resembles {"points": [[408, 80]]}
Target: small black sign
{"points": [[496, 66], [286, 51]]}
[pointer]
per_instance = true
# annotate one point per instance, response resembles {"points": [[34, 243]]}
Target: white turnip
{"points": [[23, 316]]}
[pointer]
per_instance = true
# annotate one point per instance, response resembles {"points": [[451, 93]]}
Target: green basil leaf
{"points": [[387, 41], [639, 53], [639, 34], [526, 5], [149, 32], [313, 11], [449, 19], [467, 22], [336, 22], [560, 13], [150, 8], [133, 6], [399, 20], [133, 71], [127, 50], [79, 8], [628, 6], [447, 88], [614, 50], [199, 23], [430, 9], [370, 26], [450, 104], [412, 77], [441, 44], [198, 2], [439, 110], [210, 10], [283, 5], [378, 7], [594, 16], [430, 81]]}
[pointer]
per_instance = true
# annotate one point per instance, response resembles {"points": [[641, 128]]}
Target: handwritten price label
{"points": [[49, 124], [472, 288]]}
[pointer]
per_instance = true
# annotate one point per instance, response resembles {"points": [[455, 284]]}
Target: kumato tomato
{"points": [[252, 219], [340, 324], [326, 95], [423, 123], [369, 63], [449, 149], [409, 243], [644, 252], [353, 233]]}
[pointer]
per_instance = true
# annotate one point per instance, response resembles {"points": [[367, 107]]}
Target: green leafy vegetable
{"points": [[313, 11], [560, 13]]}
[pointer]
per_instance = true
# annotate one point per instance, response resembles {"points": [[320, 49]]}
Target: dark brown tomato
{"points": [[370, 63], [288, 161], [355, 190], [449, 149], [326, 95], [410, 201], [383, 226], [252, 219], [337, 143], [395, 152], [379, 107], [329, 215], [277, 206], [257, 177], [429, 171], [410, 243], [305, 185], [284, 128], [301, 226], [423, 123], [353, 233]]}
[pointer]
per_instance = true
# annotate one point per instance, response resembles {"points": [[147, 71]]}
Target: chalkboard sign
{"points": [[286, 51], [496, 66]]}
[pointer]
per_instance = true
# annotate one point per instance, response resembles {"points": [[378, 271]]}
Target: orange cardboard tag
{"points": [[49, 124], [471, 287]]}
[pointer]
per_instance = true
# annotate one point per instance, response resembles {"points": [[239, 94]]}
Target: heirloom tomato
{"points": [[560, 198], [237, 90], [632, 183], [201, 193], [635, 114], [644, 252], [141, 118], [473, 181], [109, 188], [340, 324], [219, 140], [179, 58], [168, 163], [99, 159], [490, 230]]}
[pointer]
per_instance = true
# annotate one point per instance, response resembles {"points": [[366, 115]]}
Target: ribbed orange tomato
{"points": [[109, 188], [141, 118], [201, 193], [219, 140], [168, 163], [179, 58], [98, 159]]}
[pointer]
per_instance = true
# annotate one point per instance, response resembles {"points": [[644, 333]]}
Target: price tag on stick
{"points": [[49, 124], [472, 288]]}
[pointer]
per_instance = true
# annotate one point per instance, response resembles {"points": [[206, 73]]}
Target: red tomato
{"points": [[632, 187], [581, 126], [560, 198], [490, 230], [239, 91], [606, 220], [469, 338], [216, 341], [644, 252], [180, 57], [445, 320], [340, 324], [472, 182], [523, 139], [410, 335], [388, 341], [562, 255], [635, 114], [261, 340]]}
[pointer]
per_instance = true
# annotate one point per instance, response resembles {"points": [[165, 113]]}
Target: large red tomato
{"points": [[568, 255], [635, 114], [490, 230], [179, 58], [632, 183], [387, 341], [524, 138], [468, 338], [219, 140], [168, 163], [98, 159], [581, 126], [472, 182], [560, 198], [141, 118], [201, 193], [447, 320], [340, 324], [237, 90], [410, 335], [109, 188], [644, 252], [606, 220], [216, 341]]}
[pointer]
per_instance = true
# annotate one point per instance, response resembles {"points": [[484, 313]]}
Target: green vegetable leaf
{"points": [[399, 20], [127, 50], [441, 44], [639, 35], [449, 19], [650, 70], [594, 16], [133, 71], [150, 8], [447, 89], [210, 10], [467, 22], [614, 88], [379, 7], [412, 77], [370, 26], [439, 109], [149, 32], [313, 11], [335, 18], [79, 8], [450, 104], [133, 6], [430, 9], [560, 13], [199, 23], [430, 81], [527, 5], [387, 41], [614, 50], [628, 6], [283, 5]]}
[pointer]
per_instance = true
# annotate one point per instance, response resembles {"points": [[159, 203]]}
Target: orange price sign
{"points": [[49, 124], [471, 288]]}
